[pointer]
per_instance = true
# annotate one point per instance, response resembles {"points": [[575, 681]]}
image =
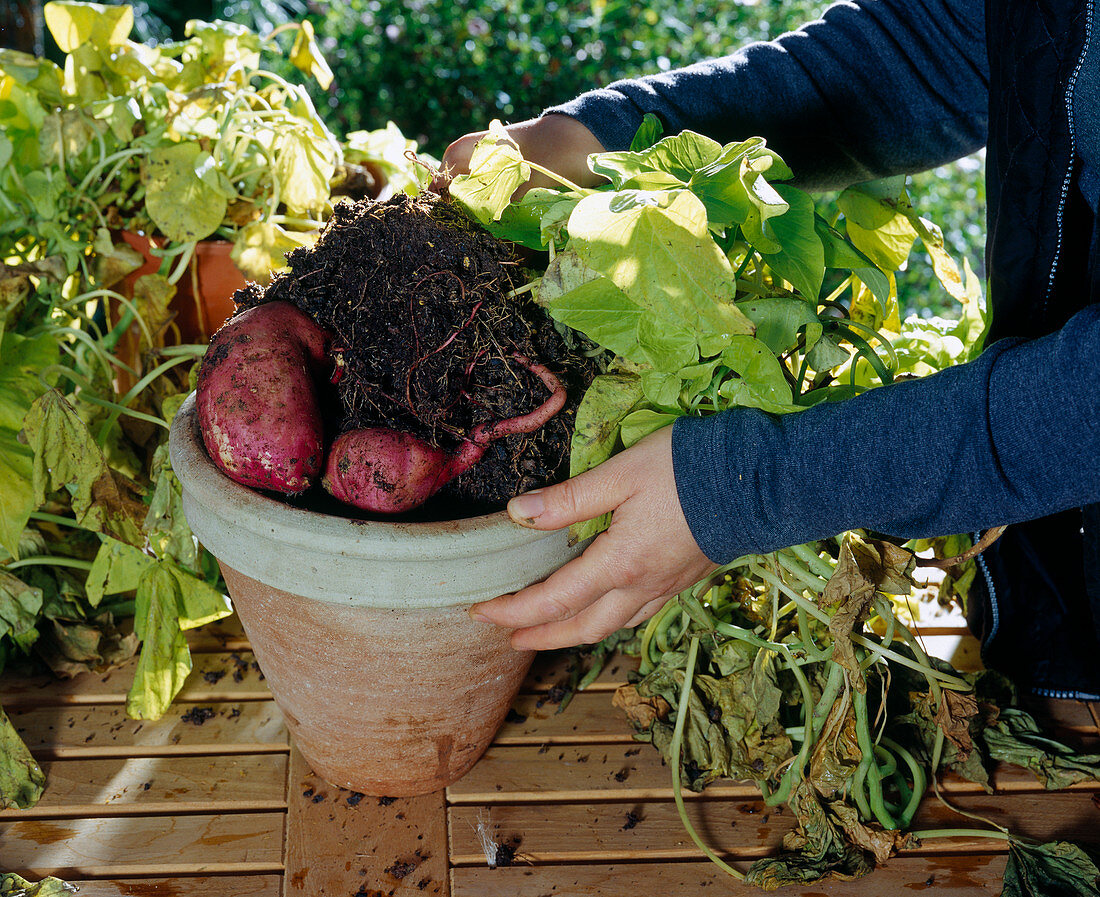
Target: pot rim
{"points": [[249, 510]]}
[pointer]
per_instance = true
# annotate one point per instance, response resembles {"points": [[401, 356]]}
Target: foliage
{"points": [[504, 59], [711, 285], [188, 139]]}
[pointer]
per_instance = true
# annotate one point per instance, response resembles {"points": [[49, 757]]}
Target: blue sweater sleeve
{"points": [[1013, 435], [875, 88]]}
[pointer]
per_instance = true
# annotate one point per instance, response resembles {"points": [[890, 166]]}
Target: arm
{"points": [[876, 87], [1013, 435]]}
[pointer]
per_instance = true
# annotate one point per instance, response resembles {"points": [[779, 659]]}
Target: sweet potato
{"points": [[388, 472], [258, 403]]}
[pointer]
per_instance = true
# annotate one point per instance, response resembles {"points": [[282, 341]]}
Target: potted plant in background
{"points": [[174, 144]]}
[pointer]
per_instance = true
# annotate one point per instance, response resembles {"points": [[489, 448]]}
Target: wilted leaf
{"points": [[954, 715], [165, 658], [66, 454], [1056, 869], [870, 836], [19, 607], [1014, 737], [21, 778], [815, 851], [642, 712], [10, 883]]}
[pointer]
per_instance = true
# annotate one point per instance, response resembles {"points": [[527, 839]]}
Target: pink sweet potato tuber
{"points": [[258, 405], [388, 472]]}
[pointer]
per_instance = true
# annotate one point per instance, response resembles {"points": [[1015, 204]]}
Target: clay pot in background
{"points": [[360, 626]]}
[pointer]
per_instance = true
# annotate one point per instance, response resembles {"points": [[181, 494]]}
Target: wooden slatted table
{"points": [[212, 799]]}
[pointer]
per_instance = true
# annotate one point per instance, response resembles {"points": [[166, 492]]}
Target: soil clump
{"points": [[426, 329]]}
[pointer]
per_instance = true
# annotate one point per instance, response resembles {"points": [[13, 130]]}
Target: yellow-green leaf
{"points": [[73, 24], [21, 778], [307, 57], [165, 658]]}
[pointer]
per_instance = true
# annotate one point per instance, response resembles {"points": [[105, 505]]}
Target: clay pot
{"points": [[204, 294], [360, 627]]}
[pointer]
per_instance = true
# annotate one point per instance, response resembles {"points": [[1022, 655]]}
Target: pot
{"points": [[360, 626], [204, 294]]}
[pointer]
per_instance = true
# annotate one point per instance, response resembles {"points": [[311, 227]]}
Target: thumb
{"points": [[580, 498]]}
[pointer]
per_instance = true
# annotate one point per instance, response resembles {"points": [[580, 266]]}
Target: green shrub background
{"points": [[439, 69]]}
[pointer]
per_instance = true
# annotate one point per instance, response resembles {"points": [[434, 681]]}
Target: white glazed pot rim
{"points": [[330, 557]]}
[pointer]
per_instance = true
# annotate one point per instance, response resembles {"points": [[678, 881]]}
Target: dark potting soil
{"points": [[426, 339]]}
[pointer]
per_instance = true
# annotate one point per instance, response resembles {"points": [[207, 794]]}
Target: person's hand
{"points": [[554, 141], [625, 576]]}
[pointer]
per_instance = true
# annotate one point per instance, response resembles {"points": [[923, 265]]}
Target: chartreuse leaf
{"points": [[261, 247], [608, 399], [639, 424], [73, 24], [734, 190], [648, 133], [582, 298], [778, 319], [497, 170], [656, 248], [165, 659], [306, 56], [117, 567], [66, 455], [801, 257], [304, 166], [670, 162], [1055, 869], [186, 194], [21, 778], [761, 382], [199, 602], [536, 220], [876, 220]]}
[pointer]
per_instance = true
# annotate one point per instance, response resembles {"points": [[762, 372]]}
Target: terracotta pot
{"points": [[387, 686], [204, 294]]}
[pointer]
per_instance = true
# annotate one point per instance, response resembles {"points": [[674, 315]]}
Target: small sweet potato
{"points": [[258, 403]]}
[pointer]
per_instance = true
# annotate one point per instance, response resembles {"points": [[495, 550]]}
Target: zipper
{"points": [[1064, 695], [1068, 179]]}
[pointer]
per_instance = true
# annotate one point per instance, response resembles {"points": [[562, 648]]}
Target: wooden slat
{"points": [[132, 846], [225, 635], [620, 772], [589, 718], [159, 785], [342, 843], [214, 677], [739, 829], [959, 876], [259, 885], [104, 730]]}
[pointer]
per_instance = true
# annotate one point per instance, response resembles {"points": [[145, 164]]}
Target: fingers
{"points": [[580, 498], [591, 625], [456, 161], [561, 596]]}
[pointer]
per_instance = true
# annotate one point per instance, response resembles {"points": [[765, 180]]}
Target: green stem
{"points": [[48, 560], [675, 749], [920, 781], [867, 747], [133, 393], [926, 834], [58, 519]]}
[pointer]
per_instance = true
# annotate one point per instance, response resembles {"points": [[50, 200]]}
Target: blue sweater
{"points": [[874, 89]]}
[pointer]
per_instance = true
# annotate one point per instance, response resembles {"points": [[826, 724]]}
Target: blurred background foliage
{"points": [[440, 68]]}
